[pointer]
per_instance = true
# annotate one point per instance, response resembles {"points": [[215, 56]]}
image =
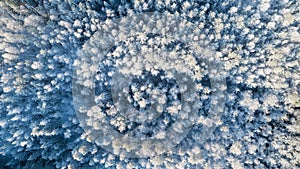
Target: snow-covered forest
{"points": [[150, 84]]}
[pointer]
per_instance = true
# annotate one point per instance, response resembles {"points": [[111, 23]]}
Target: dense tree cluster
{"points": [[42, 44]]}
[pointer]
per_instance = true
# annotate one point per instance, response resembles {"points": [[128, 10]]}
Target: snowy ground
{"points": [[149, 84]]}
